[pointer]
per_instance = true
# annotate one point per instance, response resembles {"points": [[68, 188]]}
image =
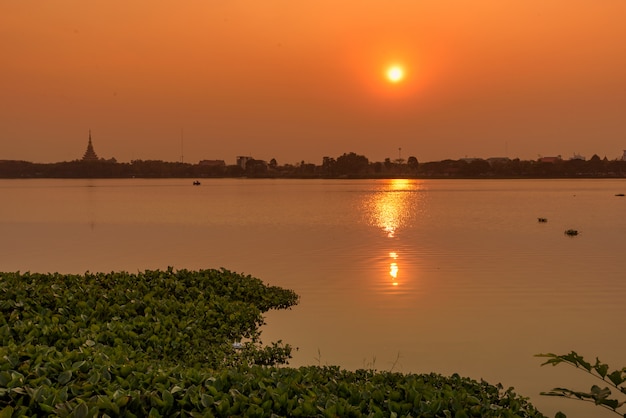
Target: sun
{"points": [[395, 74]]}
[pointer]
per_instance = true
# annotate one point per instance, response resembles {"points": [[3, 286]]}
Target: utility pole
{"points": [[182, 154]]}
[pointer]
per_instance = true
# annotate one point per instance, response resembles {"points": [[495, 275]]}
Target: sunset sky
{"points": [[300, 80]]}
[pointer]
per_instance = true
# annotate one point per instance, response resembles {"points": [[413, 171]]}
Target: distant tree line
{"points": [[348, 165]]}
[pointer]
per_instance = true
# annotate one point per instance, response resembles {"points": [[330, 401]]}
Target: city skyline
{"points": [[90, 155], [440, 80]]}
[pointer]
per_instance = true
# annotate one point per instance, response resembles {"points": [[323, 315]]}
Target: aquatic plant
{"points": [[177, 317], [600, 396], [181, 343], [41, 382]]}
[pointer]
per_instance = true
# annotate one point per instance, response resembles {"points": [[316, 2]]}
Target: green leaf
{"points": [[600, 393], [206, 400], [601, 368], [78, 364], [6, 412], [46, 408], [19, 390], [5, 378], [167, 398], [65, 377], [105, 404], [81, 411], [122, 401], [616, 377]]}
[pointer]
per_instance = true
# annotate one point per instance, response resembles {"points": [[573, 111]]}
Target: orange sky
{"points": [[302, 80]]}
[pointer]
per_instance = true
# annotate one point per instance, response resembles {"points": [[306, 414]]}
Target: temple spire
{"points": [[90, 154]]}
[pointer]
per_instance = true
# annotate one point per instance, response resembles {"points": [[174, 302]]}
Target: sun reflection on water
{"points": [[393, 268], [391, 209]]}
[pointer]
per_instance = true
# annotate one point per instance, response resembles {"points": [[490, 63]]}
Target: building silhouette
{"points": [[90, 154]]}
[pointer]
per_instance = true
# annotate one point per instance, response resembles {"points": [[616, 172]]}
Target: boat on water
{"points": [[196, 183]]}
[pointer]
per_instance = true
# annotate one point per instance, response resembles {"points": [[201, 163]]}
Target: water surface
{"points": [[447, 276]]}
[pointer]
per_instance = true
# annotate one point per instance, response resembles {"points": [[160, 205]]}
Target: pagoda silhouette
{"points": [[90, 154]]}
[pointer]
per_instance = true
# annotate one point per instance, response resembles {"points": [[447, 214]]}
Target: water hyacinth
{"points": [[182, 343], [177, 317]]}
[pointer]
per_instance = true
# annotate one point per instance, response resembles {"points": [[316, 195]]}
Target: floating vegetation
{"points": [[182, 343], [170, 317], [571, 232]]}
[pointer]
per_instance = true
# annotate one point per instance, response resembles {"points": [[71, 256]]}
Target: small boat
{"points": [[620, 194], [196, 183], [542, 220], [571, 232]]}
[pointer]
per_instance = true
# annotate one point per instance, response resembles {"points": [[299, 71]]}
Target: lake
{"points": [[415, 276]]}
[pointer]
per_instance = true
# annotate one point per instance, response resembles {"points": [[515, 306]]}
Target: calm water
{"points": [[420, 276]]}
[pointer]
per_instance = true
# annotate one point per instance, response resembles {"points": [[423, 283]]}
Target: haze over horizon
{"points": [[300, 81]]}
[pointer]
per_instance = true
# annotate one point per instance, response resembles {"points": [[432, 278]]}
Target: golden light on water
{"points": [[391, 208], [393, 272], [393, 268]]}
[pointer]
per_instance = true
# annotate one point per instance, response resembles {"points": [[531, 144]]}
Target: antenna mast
{"points": [[182, 154]]}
